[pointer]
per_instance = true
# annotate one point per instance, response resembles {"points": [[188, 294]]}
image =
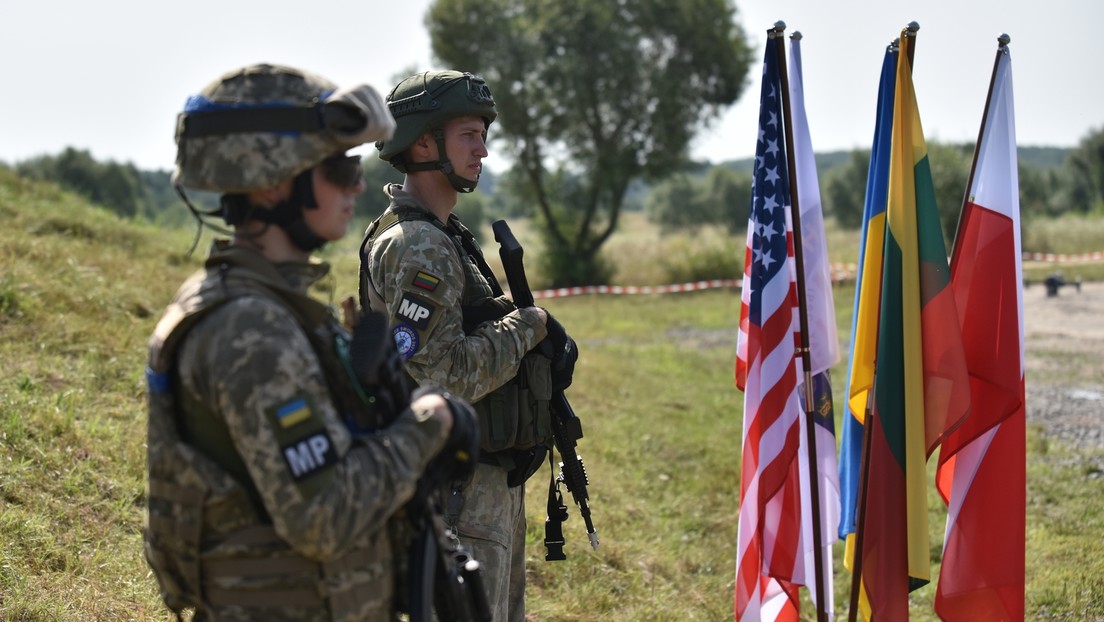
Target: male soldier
{"points": [[275, 466], [451, 322]]}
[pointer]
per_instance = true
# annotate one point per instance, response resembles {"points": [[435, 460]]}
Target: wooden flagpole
{"points": [[868, 423], [1002, 49], [803, 315]]}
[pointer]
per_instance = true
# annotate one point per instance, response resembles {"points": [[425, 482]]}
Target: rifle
{"points": [[442, 575], [566, 427]]}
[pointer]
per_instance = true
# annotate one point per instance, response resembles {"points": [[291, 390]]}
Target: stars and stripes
{"points": [[768, 562]]}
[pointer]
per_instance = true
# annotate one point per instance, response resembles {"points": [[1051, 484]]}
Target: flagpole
{"points": [[860, 520], [803, 315], [864, 465], [908, 31], [1002, 49]]}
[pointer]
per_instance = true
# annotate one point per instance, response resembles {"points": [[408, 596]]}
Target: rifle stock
{"points": [[566, 426]]}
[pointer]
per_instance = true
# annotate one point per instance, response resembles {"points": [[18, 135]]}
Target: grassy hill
{"points": [[80, 291]]}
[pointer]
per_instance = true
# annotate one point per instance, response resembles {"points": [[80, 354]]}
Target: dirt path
{"points": [[1064, 338]]}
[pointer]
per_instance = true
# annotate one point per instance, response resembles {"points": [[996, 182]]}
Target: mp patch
{"points": [[308, 455], [426, 281], [415, 310], [406, 340]]}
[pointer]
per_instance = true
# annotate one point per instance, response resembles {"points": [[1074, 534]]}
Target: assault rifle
{"points": [[442, 575], [566, 427]]}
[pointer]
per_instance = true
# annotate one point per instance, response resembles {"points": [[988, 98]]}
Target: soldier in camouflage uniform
{"points": [[275, 468], [422, 267]]}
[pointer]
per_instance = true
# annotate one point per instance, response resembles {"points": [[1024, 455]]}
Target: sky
{"points": [[110, 76]]}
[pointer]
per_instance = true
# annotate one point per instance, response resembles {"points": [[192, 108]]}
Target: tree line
{"points": [[1053, 182]]}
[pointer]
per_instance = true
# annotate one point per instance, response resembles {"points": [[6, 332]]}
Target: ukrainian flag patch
{"points": [[426, 281], [292, 413]]}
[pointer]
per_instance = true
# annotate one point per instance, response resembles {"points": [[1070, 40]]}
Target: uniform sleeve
{"points": [[420, 276], [324, 490]]}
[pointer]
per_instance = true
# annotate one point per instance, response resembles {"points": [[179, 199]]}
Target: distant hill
{"points": [[1040, 157]]}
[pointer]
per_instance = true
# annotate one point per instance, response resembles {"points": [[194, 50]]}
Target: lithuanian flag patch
{"points": [[426, 281]]}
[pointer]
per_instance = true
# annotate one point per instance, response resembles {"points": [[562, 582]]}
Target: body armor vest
{"points": [[207, 537], [514, 420]]}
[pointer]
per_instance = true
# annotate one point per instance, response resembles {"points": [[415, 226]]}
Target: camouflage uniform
{"points": [[291, 512], [416, 274]]}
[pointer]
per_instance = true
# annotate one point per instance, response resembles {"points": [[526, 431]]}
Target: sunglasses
{"points": [[342, 170]]}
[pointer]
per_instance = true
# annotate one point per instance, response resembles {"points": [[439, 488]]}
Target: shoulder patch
{"points": [[406, 340], [416, 310], [310, 454], [296, 411], [426, 281]]}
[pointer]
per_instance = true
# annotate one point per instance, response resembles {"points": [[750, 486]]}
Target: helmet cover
{"points": [[257, 126]]}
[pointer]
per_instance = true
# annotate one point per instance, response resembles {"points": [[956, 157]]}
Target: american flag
{"points": [[768, 555]]}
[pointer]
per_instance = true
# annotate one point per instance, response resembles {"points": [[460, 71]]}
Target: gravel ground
{"points": [[1064, 358]]}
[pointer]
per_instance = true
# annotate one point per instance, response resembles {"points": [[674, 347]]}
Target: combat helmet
{"points": [[257, 126], [423, 103]]}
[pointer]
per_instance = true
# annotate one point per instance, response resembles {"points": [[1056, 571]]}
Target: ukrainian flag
{"points": [[292, 413]]}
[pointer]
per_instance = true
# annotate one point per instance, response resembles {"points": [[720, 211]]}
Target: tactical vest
{"points": [[208, 538], [514, 420]]}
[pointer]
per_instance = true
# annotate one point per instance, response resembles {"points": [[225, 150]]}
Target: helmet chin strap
{"points": [[443, 164], [288, 214]]}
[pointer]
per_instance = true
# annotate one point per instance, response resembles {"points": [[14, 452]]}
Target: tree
{"points": [[1084, 187], [116, 186], [721, 197], [673, 203], [592, 95], [950, 168], [726, 197], [845, 190]]}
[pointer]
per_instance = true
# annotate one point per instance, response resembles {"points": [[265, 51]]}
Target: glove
{"points": [[376, 363], [564, 354], [461, 451]]}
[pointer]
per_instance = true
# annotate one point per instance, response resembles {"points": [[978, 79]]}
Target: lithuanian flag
{"points": [[921, 386]]}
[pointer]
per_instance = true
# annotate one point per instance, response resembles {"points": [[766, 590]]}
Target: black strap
{"points": [[242, 120], [469, 245], [553, 522]]}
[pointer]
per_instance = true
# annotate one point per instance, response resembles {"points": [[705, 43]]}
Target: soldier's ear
{"points": [[423, 148]]}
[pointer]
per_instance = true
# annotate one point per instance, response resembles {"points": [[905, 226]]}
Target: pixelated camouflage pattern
{"points": [[243, 358], [467, 364], [492, 518], [241, 162]]}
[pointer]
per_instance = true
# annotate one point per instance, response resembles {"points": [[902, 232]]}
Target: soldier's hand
{"points": [[377, 364], [564, 354], [461, 451]]}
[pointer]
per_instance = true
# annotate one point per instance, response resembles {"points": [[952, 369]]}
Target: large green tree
{"points": [[1084, 189], [592, 95]]}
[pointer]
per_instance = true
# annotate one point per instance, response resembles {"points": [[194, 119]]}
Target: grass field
{"points": [[80, 291]]}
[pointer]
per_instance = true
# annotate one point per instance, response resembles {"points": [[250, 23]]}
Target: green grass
{"points": [[80, 291]]}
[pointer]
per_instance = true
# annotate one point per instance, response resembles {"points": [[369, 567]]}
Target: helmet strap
{"points": [[287, 214], [444, 165]]}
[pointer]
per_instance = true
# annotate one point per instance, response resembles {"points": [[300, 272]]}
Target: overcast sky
{"points": [[110, 76]]}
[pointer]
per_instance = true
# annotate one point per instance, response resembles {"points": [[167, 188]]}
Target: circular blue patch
{"points": [[406, 340]]}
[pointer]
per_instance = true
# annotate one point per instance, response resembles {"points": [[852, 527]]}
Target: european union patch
{"points": [[292, 413]]}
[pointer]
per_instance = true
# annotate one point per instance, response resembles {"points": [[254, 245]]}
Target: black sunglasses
{"points": [[342, 170]]}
